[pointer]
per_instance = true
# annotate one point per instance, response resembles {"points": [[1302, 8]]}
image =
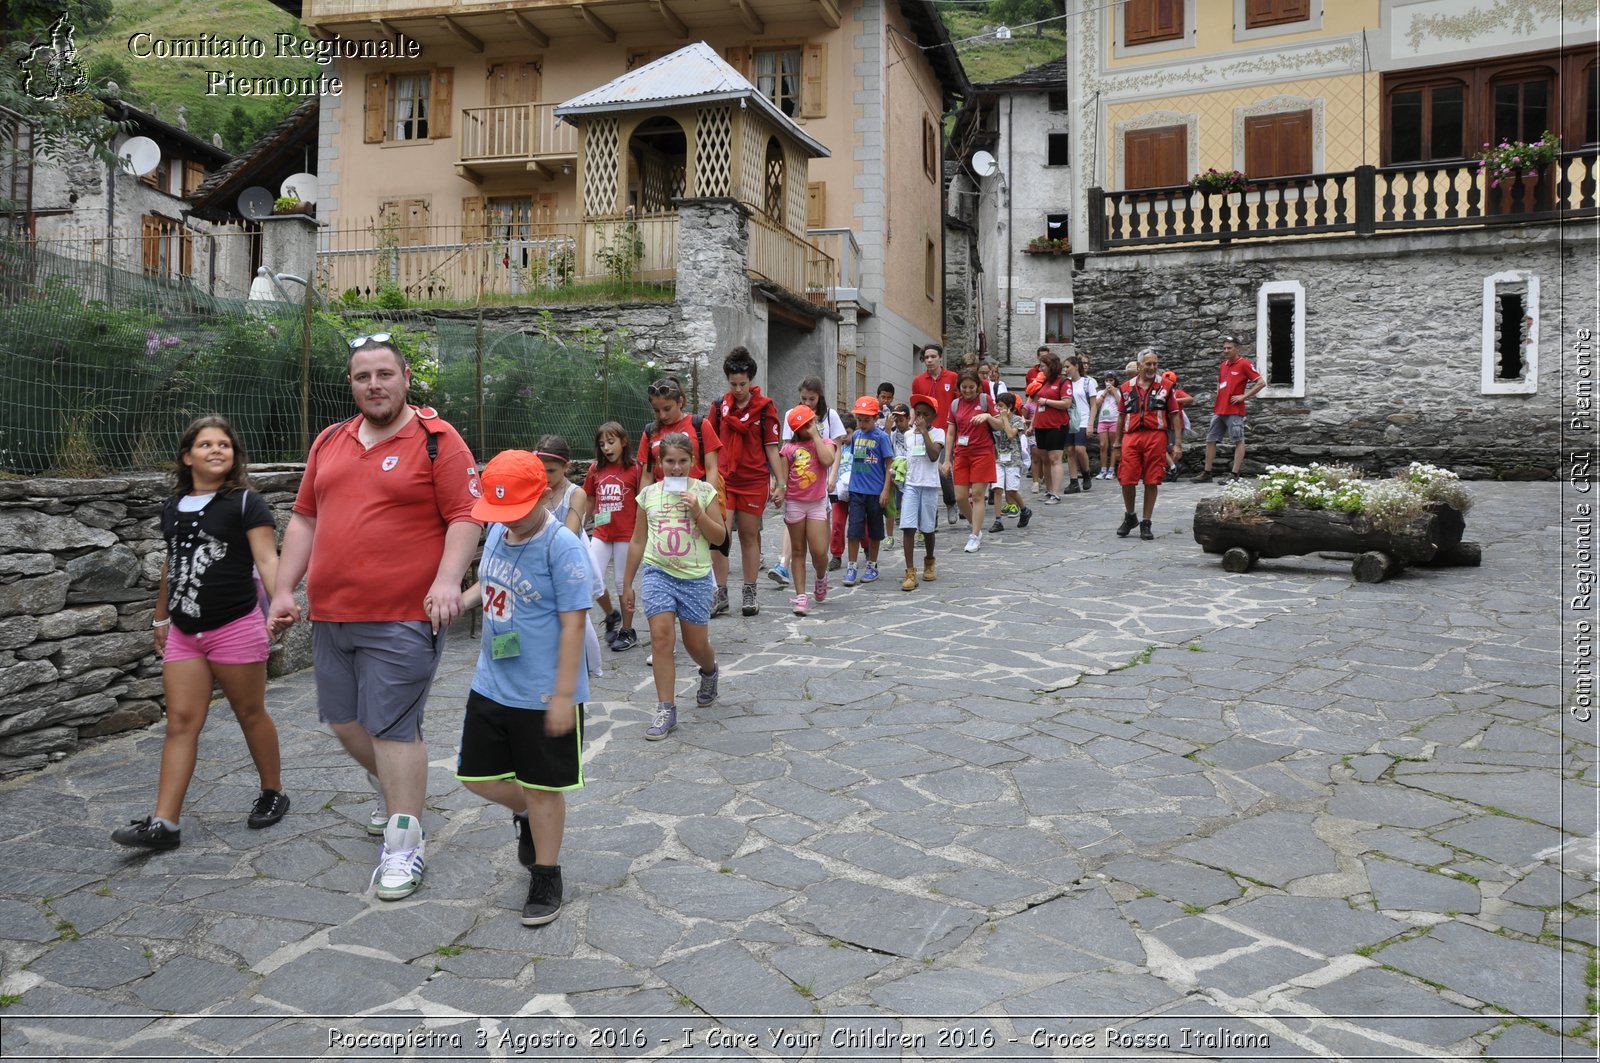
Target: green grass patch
{"points": [[988, 59], [1142, 657], [1193, 909], [8, 999], [450, 950]]}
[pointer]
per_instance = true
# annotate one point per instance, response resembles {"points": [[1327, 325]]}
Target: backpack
{"points": [[694, 437], [432, 434]]}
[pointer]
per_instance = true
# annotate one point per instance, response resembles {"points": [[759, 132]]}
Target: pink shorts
{"points": [[795, 511], [244, 641]]}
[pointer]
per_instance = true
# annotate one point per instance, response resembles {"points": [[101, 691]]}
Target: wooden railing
{"points": [[1362, 201], [790, 262], [516, 131]]}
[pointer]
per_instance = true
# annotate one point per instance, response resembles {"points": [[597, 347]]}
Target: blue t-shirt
{"points": [[870, 455], [525, 589]]}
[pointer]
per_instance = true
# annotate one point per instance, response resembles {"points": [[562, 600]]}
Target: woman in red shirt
{"points": [[969, 428], [1050, 423]]}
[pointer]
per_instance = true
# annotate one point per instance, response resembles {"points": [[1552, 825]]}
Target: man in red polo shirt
{"points": [[1149, 431], [383, 521], [1237, 381], [938, 384]]}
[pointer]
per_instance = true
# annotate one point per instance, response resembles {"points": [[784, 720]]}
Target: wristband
{"points": [[158, 624]]}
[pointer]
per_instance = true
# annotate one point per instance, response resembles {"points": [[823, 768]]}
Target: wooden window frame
{"points": [[1045, 308], [1255, 122], [1154, 35], [930, 149], [930, 267], [1183, 175], [379, 105], [1426, 88], [1282, 13]]}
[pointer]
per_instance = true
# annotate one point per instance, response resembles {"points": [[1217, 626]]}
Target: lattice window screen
{"points": [[713, 148], [752, 163], [795, 204], [601, 156]]}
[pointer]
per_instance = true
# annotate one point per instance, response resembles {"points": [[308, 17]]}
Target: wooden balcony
{"points": [[1357, 202], [514, 138], [790, 261]]}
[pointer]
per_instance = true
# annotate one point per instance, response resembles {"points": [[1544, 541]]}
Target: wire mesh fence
{"points": [[101, 369]]}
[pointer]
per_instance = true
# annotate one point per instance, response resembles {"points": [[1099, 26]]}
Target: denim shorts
{"points": [[662, 592], [919, 509]]}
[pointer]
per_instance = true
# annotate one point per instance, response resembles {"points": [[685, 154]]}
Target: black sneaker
{"points": [[1127, 525], [626, 639], [525, 854], [544, 896], [1025, 516], [1203, 478], [1144, 530], [268, 809], [834, 564], [613, 625], [1088, 482], [996, 527], [147, 834], [1072, 488]]}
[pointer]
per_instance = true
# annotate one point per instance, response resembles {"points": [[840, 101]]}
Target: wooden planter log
{"points": [[1434, 538]]}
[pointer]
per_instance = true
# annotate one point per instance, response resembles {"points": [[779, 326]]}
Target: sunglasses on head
{"points": [[379, 338], [665, 390]]}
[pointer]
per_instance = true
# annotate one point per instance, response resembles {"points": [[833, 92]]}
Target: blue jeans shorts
{"points": [[662, 592]]}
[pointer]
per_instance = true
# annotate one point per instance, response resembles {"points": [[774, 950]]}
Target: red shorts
{"points": [[242, 641], [745, 500], [973, 467], [1144, 458]]}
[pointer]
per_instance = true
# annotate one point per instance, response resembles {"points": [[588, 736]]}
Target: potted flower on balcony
{"points": [[1044, 245], [1215, 180], [1512, 170]]}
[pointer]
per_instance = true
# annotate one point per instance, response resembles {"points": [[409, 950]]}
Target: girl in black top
{"points": [[209, 625]]}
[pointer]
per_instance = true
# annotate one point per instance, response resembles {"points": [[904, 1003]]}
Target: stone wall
{"points": [[80, 561], [1393, 344]]}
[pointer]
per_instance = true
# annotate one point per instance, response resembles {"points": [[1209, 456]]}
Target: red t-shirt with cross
{"points": [[941, 389], [1233, 378], [650, 446]]}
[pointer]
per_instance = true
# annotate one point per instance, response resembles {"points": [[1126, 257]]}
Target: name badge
{"points": [[602, 519], [1005, 459], [961, 441], [507, 645]]}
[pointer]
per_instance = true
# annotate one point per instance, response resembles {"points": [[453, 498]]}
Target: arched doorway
{"points": [[658, 160]]}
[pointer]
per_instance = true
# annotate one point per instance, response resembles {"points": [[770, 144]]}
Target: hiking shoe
{"points": [[1024, 517], [749, 606], [544, 896], [719, 602], [871, 573], [996, 526], [1203, 478], [1088, 481], [708, 688], [850, 576], [626, 639], [779, 574], [1144, 530], [1072, 488], [400, 858], [930, 572], [1127, 525], [801, 605], [268, 809], [665, 723], [834, 564], [525, 854], [146, 833], [973, 542], [613, 625], [910, 582]]}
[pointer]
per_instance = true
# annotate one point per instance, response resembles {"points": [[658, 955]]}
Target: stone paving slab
{"points": [[1182, 813]]}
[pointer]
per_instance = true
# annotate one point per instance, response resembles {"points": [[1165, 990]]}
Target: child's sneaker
{"points": [[665, 723], [850, 576], [819, 590], [930, 572], [544, 896], [1129, 522], [146, 833], [749, 606], [801, 605], [1050, 499], [613, 625], [1088, 481], [1144, 530], [871, 573], [996, 527], [779, 574], [1024, 517], [708, 688], [1072, 488], [626, 639], [400, 858], [910, 582], [719, 602], [973, 542], [1010, 509], [834, 564]]}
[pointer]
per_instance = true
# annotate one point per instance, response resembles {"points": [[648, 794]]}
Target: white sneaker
{"points": [[972, 543], [400, 858]]}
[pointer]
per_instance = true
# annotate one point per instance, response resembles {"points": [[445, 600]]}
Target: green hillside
{"points": [[988, 59], [167, 83]]}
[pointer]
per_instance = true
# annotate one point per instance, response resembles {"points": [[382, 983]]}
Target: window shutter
{"points": [[439, 102], [816, 205], [1155, 158], [739, 59], [1147, 21], [1278, 145], [472, 229], [377, 106], [814, 82]]}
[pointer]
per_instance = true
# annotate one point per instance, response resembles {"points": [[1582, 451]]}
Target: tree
{"points": [[42, 85]]}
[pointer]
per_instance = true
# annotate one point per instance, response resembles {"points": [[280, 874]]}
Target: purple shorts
{"points": [[243, 641]]}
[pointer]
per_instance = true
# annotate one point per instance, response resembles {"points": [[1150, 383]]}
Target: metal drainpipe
{"points": [[1005, 182]]}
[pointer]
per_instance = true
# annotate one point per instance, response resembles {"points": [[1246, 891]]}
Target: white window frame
{"points": [[1297, 389], [1488, 383], [773, 90], [421, 85]]}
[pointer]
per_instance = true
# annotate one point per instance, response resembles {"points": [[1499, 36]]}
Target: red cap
{"points": [[924, 400], [1035, 386], [513, 482], [866, 405], [799, 417]]}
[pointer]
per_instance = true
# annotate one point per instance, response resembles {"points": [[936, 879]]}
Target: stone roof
{"points": [[1051, 75], [213, 197]]}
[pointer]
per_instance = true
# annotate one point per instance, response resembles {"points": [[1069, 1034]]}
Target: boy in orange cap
{"points": [[522, 737], [870, 452]]}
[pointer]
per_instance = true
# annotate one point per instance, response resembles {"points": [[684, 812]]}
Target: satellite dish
{"points": [[139, 155], [983, 164], [302, 186], [1003, 33], [256, 203]]}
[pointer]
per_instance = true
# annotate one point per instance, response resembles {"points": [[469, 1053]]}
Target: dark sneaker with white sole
{"points": [[146, 833], [268, 809], [544, 896]]}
